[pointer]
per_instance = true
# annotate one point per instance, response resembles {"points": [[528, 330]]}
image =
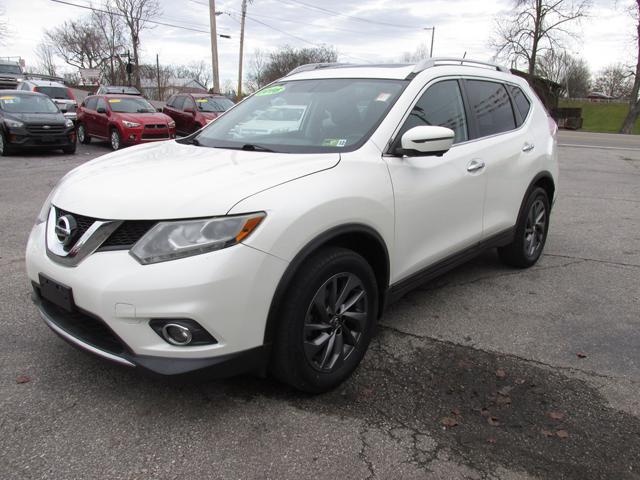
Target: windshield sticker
{"points": [[7, 98], [270, 91], [383, 97], [334, 142], [114, 100], [202, 100]]}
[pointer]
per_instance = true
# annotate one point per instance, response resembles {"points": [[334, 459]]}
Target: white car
{"points": [[216, 254]]}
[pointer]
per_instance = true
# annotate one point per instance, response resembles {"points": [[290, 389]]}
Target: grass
{"points": [[601, 117]]}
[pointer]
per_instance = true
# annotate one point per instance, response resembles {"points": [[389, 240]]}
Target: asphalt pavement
{"points": [[484, 373]]}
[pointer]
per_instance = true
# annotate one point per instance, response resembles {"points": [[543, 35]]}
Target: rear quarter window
{"points": [[522, 103], [490, 105]]}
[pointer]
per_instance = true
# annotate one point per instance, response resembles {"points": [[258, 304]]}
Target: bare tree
{"points": [[111, 26], [420, 53], [258, 66], [4, 27], [570, 72], [634, 101], [534, 27], [199, 71], [46, 59], [78, 42], [614, 80], [578, 79], [136, 14]]}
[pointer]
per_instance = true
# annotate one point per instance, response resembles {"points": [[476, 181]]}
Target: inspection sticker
{"points": [[114, 100], [383, 97], [202, 100], [270, 91], [334, 142]]}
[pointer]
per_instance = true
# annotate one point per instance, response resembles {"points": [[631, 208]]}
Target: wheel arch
{"points": [[360, 238], [544, 180]]}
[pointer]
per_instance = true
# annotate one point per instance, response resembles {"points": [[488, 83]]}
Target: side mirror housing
{"points": [[101, 110], [426, 140]]}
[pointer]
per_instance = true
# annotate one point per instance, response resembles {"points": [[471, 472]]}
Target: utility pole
{"points": [[214, 46], [158, 76], [433, 34], [244, 14]]}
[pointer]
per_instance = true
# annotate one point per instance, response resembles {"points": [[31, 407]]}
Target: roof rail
{"points": [[315, 66], [433, 62]]}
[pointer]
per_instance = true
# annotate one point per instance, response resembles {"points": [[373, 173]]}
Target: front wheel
{"points": [[115, 139], [326, 321], [5, 149], [82, 135], [70, 149], [531, 232]]}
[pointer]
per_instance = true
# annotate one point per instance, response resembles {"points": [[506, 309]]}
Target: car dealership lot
{"points": [[478, 374]]}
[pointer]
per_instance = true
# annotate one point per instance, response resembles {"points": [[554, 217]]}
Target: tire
{"points": [[316, 348], [83, 137], [70, 149], [114, 139], [5, 148], [531, 232]]}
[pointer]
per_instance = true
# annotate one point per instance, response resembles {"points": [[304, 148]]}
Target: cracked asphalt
{"points": [[484, 373]]}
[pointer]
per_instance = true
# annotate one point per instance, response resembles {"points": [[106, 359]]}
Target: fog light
{"points": [[176, 334], [181, 332]]}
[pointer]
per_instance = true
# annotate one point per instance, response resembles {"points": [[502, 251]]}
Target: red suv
{"points": [[122, 120], [191, 112]]}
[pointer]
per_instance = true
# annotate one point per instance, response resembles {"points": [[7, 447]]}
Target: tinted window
{"points": [[101, 104], [130, 105], [209, 104], [178, 102], [522, 102], [490, 105], [188, 103], [22, 103], [55, 92], [440, 105], [170, 101], [90, 103]]}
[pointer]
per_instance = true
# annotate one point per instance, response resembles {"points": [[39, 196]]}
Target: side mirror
{"points": [[425, 141], [101, 110]]}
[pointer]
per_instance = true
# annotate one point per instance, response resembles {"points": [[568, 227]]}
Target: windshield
{"points": [[309, 116], [217, 105], [131, 105], [10, 69], [55, 92], [27, 104]]}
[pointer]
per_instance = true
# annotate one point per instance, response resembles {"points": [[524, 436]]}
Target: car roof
{"points": [[22, 92], [45, 83]]}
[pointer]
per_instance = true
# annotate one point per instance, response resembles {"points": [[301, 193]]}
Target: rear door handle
{"points": [[527, 147], [475, 165]]}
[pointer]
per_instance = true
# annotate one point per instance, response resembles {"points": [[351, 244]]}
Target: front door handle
{"points": [[527, 147], [475, 165]]}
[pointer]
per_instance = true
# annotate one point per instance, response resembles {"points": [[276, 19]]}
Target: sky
{"points": [[362, 31]]}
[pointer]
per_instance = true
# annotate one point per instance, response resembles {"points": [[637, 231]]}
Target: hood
{"points": [[38, 118], [169, 180], [144, 118]]}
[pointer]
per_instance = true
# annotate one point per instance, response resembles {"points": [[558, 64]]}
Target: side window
{"points": [[490, 105], [178, 102], [90, 103], [440, 105], [101, 104], [170, 101], [522, 103], [188, 103]]}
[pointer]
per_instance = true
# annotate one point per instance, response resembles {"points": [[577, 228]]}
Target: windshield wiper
{"points": [[256, 148]]}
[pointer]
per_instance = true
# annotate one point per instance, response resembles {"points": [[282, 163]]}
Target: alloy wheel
{"points": [[335, 321], [115, 140], [1, 144], [535, 228], [81, 133]]}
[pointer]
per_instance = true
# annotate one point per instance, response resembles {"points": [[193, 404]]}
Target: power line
{"points": [[326, 11], [94, 9]]}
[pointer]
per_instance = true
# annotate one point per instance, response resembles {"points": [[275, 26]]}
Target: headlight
{"points": [[184, 238], [130, 124], [13, 123], [68, 123], [171, 124]]}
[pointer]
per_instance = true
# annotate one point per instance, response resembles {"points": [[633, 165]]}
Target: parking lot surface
{"points": [[485, 373]]}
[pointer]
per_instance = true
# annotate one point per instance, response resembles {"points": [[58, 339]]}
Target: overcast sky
{"points": [[361, 30]]}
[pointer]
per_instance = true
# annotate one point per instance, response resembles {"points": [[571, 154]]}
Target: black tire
{"points": [[5, 148], [297, 359], [531, 232], [70, 149], [83, 137], [115, 140]]}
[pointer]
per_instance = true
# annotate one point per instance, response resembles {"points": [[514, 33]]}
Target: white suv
{"points": [[235, 250]]}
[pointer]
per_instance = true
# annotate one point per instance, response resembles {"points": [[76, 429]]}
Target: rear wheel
{"points": [[70, 149], [5, 148], [531, 232], [327, 320], [82, 135], [115, 139]]}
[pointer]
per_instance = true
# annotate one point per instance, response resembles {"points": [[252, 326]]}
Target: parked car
{"points": [[29, 119], [61, 95], [11, 75], [224, 254], [117, 89], [191, 112], [122, 120]]}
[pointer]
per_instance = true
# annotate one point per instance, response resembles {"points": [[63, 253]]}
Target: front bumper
{"points": [[20, 137], [227, 292], [135, 136]]}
